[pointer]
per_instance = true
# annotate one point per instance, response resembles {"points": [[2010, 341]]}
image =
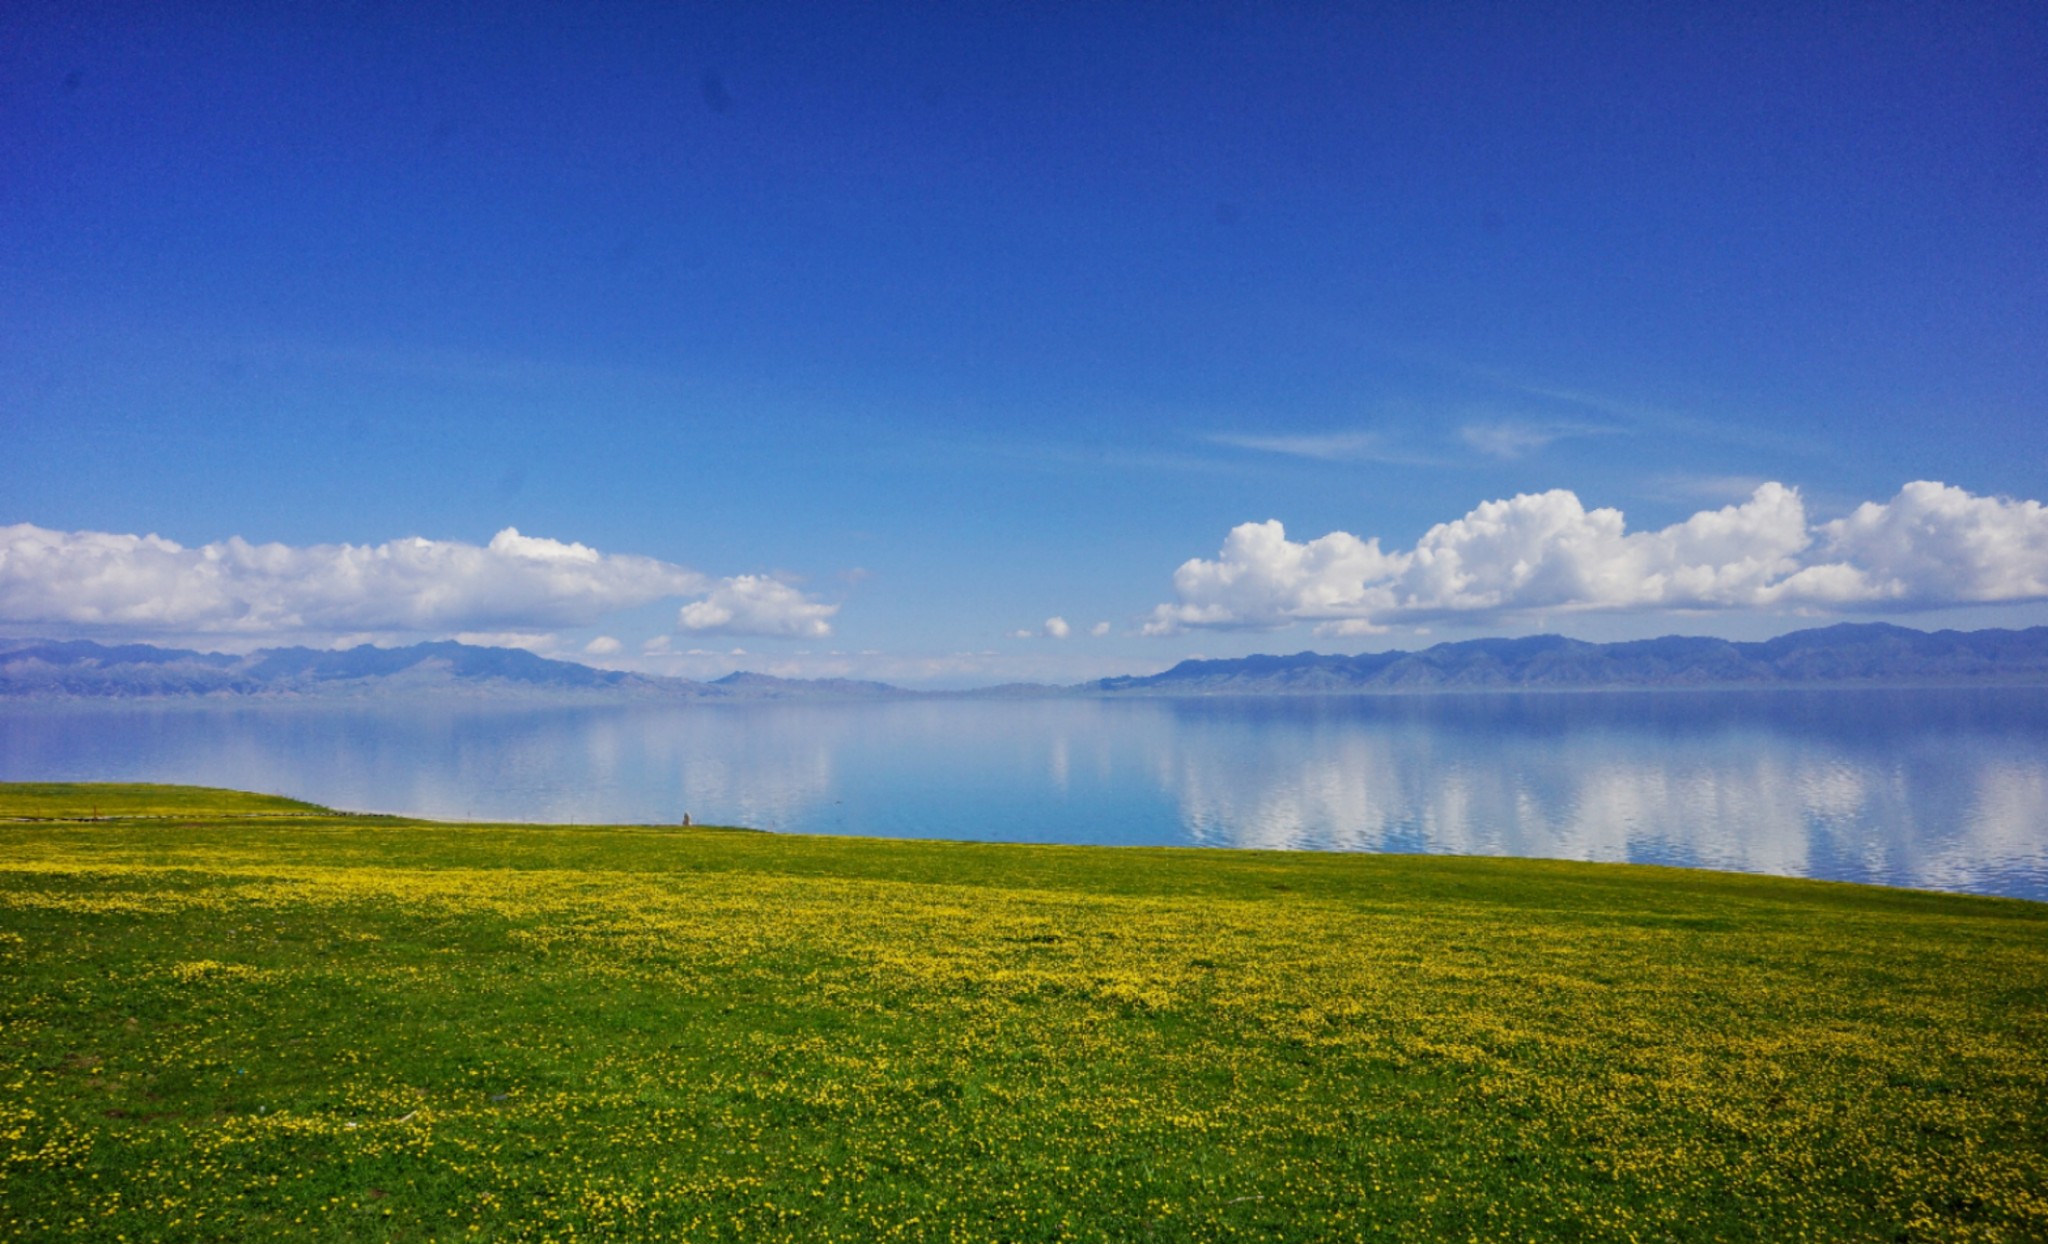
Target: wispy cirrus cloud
{"points": [[1354, 446], [1647, 415], [1562, 401], [112, 584], [1931, 546], [1516, 438]]}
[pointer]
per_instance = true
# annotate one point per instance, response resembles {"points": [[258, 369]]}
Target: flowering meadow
{"points": [[229, 1017]]}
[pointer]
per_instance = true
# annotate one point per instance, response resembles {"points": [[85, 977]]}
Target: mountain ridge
{"points": [[1846, 654], [83, 669]]}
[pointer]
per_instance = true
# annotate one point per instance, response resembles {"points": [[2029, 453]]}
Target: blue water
{"points": [[1942, 789]]}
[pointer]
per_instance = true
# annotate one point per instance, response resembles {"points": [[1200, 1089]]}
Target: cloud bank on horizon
{"points": [[1532, 555], [107, 583], [1929, 547]]}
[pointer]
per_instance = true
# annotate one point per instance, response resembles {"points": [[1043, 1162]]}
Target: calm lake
{"points": [[1942, 789]]}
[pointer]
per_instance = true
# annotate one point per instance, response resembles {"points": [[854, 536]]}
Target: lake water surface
{"points": [[1943, 789]]}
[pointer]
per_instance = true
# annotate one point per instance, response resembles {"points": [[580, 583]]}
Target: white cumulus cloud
{"points": [[1932, 545], [98, 582], [1263, 580], [1929, 546], [1051, 628], [758, 605]]}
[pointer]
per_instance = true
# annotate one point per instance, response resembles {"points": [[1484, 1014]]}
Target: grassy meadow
{"points": [[233, 1017]]}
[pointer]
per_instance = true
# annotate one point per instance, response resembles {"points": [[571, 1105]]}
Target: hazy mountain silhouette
{"points": [[1847, 654], [1851, 654], [80, 668]]}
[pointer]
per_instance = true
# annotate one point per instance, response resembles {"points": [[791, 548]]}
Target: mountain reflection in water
{"points": [[1946, 789]]}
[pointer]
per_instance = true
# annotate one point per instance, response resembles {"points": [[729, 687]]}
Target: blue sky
{"points": [[877, 336]]}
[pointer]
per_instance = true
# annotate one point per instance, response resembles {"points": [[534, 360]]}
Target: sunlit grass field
{"points": [[233, 1017]]}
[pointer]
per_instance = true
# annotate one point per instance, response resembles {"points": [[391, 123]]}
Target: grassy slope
{"points": [[48, 800], [214, 1027]]}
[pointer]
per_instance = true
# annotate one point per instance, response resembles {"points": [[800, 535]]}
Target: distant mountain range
{"points": [[1865, 654], [81, 669], [1851, 654]]}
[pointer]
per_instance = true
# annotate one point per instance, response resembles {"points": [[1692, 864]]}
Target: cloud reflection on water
{"points": [[1849, 786], [1942, 789]]}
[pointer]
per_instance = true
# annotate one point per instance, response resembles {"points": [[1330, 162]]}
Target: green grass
{"points": [[73, 801], [220, 1023]]}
